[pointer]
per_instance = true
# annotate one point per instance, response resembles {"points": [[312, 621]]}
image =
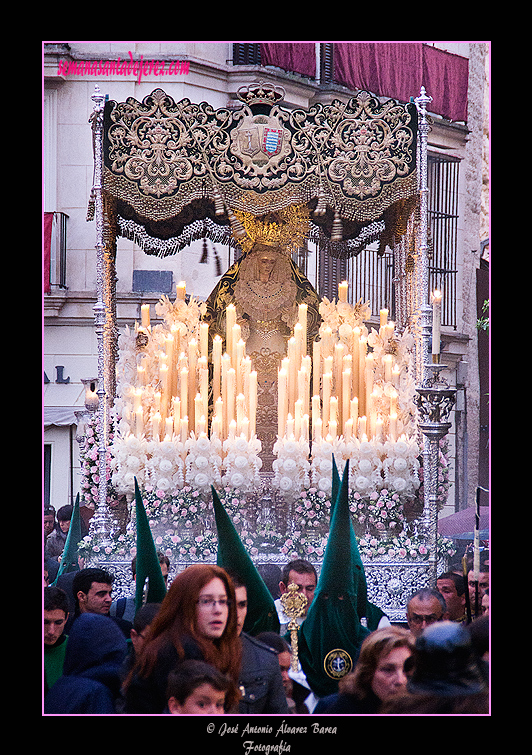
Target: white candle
{"points": [[396, 372], [333, 428], [230, 320], [297, 418], [240, 351], [240, 412], [141, 375], [204, 384], [137, 398], [327, 385], [317, 430], [235, 338], [298, 336], [282, 400], [354, 412], [368, 380], [316, 409], [388, 363], [169, 428], [348, 429], [302, 316], [184, 391], [362, 428], [304, 428], [163, 373], [362, 347], [436, 322], [252, 416], [184, 429], [139, 421], [338, 364], [346, 395], [356, 360], [393, 427], [180, 290], [292, 373], [232, 429], [383, 317], [316, 367], [204, 339], [198, 412], [145, 316], [177, 414], [342, 291], [289, 427], [378, 429], [216, 367], [155, 426], [231, 395], [333, 410], [393, 402]]}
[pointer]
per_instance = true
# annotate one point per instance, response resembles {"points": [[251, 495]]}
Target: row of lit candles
{"points": [[184, 384], [343, 400]]}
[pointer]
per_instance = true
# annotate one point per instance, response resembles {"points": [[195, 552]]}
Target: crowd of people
{"points": [[189, 654]]}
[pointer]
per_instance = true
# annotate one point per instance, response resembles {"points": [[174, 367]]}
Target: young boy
{"points": [[55, 608], [197, 688]]}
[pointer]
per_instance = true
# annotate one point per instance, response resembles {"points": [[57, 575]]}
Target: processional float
{"points": [[255, 389]]}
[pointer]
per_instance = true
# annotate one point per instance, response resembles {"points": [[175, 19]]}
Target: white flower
{"points": [[241, 462], [285, 483], [237, 479], [202, 444], [365, 466], [400, 464], [201, 480], [399, 484], [289, 465], [362, 483], [201, 462], [163, 483]]}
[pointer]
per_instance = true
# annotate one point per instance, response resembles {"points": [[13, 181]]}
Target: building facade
{"points": [[309, 73]]}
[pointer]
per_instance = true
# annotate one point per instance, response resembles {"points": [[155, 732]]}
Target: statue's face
{"points": [[266, 262]]}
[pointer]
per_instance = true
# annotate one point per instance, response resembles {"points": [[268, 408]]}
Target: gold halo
{"points": [[285, 229]]}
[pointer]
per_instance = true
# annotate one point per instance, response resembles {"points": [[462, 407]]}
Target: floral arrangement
{"points": [[291, 467], [242, 464], [90, 467]]}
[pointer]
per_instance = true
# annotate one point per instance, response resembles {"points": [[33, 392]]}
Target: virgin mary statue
{"points": [[266, 288]]}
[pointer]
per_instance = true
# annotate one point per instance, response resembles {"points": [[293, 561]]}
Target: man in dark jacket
{"points": [[90, 683], [261, 683]]}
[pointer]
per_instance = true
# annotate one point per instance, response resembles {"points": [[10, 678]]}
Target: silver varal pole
{"points": [[435, 399], [99, 526]]}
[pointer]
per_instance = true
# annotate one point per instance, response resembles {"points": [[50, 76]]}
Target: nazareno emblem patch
{"points": [[337, 663]]}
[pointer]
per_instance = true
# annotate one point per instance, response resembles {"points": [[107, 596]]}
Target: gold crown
{"points": [[261, 93], [285, 229]]}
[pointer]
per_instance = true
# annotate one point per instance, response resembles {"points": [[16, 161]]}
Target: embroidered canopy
{"points": [[177, 171]]}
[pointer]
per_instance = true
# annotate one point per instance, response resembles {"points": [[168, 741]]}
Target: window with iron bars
{"points": [[443, 181]]}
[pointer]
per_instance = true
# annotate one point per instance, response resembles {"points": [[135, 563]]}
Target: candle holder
{"points": [[435, 400]]}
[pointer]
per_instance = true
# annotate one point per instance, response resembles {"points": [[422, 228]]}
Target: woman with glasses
{"points": [[197, 620]]}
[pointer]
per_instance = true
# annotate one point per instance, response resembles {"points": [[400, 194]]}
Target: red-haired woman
{"points": [[197, 620]]}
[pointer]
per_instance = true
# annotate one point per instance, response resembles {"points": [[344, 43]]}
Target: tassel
{"points": [[217, 263], [236, 225], [322, 204], [219, 208], [205, 256], [337, 228]]}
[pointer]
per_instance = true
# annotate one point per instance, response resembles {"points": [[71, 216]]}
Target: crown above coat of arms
{"points": [[261, 93]]}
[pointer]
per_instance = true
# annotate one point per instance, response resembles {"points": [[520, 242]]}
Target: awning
{"points": [[60, 415], [463, 523]]}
